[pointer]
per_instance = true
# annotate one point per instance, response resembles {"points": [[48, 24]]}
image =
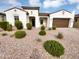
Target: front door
{"points": [[32, 21]]}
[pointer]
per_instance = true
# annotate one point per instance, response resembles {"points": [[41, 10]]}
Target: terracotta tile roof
{"points": [[33, 8], [43, 14]]}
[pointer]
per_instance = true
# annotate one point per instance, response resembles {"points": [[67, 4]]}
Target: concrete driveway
{"points": [[30, 48]]}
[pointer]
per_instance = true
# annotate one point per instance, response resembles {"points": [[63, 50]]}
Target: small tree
{"points": [[9, 27], [3, 25], [29, 26], [42, 33], [54, 27], [18, 24], [43, 27]]}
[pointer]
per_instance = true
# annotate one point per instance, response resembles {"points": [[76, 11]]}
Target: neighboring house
{"points": [[76, 22], [2, 16], [25, 14]]}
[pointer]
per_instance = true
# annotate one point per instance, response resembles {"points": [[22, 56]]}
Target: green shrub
{"points": [[18, 24], [29, 26], [9, 27], [3, 25], [54, 27], [42, 27], [54, 48], [60, 35], [20, 34], [42, 33]]}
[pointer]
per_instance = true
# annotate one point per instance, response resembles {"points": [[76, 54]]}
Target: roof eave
{"points": [[33, 8], [13, 8]]}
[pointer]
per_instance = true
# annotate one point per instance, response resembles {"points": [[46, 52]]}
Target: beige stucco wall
{"points": [[60, 14], [11, 13], [34, 13], [45, 19], [24, 18]]}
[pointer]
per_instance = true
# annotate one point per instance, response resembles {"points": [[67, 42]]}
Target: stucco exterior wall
{"points": [[24, 18], [11, 13], [45, 20], [34, 13], [62, 14]]}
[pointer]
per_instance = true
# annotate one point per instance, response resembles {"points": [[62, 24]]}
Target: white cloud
{"points": [[5, 4], [53, 3], [77, 7], [34, 2], [11, 2], [73, 1], [14, 2]]}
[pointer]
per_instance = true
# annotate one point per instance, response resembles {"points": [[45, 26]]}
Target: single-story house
{"points": [[61, 18], [76, 22]]}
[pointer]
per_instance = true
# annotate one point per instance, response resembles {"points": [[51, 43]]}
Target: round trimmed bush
{"points": [[54, 48], [54, 27], [20, 34], [9, 27], [42, 27], [29, 26], [18, 24], [42, 33]]}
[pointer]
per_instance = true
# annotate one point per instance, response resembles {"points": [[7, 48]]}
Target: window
{"points": [[41, 21], [2, 18], [16, 17]]}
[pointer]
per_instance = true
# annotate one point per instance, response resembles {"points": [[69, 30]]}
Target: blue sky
{"points": [[47, 6]]}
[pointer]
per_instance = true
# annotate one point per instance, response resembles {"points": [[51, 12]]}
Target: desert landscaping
{"points": [[31, 46], [39, 29]]}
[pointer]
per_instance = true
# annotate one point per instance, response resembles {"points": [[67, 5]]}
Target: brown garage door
{"points": [[61, 22]]}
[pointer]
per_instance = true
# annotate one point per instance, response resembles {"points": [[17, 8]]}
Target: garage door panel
{"points": [[61, 22]]}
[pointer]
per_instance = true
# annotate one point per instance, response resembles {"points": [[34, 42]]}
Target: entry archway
{"points": [[32, 21]]}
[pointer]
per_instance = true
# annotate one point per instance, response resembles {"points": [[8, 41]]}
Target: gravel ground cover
{"points": [[30, 48]]}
